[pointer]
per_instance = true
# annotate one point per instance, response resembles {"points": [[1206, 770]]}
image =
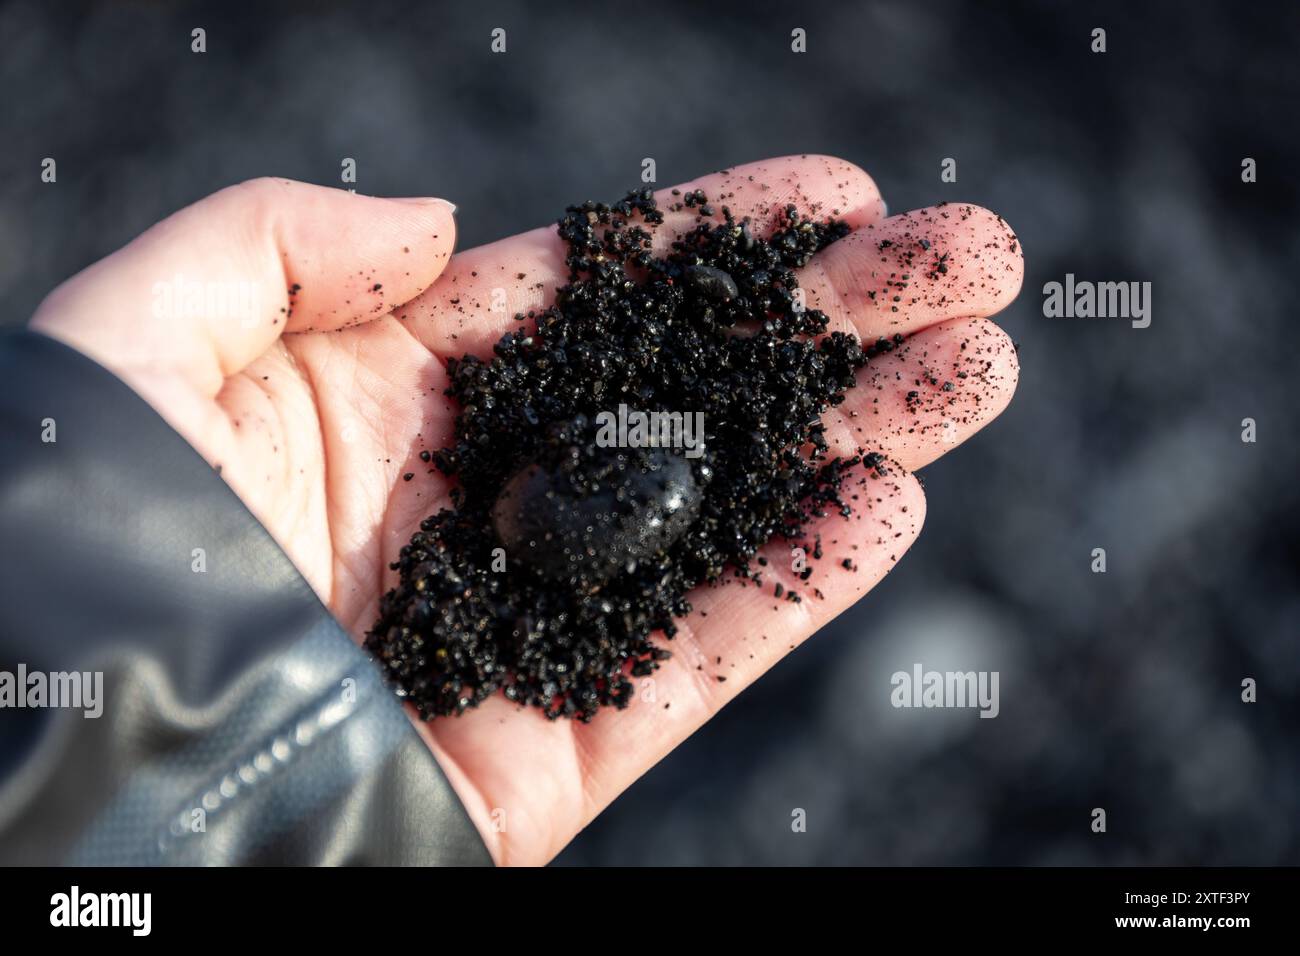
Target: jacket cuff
{"points": [[200, 705]]}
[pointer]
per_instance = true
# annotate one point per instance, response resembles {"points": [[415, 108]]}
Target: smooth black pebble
{"points": [[711, 283], [586, 523]]}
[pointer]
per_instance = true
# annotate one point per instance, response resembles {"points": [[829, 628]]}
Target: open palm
{"points": [[318, 430]]}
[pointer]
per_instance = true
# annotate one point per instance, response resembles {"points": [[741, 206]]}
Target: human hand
{"points": [[316, 403]]}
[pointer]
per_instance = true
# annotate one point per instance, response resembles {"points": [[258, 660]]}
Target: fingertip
{"points": [[436, 217], [918, 268], [991, 362], [1001, 246], [1006, 359], [428, 214], [903, 506], [818, 185], [434, 228], [985, 265], [358, 257], [932, 393]]}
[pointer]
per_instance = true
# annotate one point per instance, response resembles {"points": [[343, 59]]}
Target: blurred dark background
{"points": [[1118, 690]]}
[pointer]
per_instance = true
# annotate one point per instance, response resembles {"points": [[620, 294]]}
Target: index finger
{"points": [[484, 288]]}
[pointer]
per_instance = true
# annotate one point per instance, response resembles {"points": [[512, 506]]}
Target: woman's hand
{"points": [[297, 336]]}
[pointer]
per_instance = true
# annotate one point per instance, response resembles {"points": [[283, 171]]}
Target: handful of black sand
{"points": [[561, 556]]}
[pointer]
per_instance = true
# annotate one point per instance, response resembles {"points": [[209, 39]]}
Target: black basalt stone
{"points": [[711, 283], [583, 519]]}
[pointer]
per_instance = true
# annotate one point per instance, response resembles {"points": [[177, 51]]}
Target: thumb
{"points": [[200, 295]]}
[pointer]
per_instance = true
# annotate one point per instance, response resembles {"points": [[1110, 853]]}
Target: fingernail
{"points": [[426, 201]]}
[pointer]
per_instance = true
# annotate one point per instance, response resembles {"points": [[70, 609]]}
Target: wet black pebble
{"points": [[576, 520], [711, 283]]}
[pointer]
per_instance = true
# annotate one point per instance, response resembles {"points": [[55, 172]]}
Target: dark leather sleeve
{"points": [[238, 723]]}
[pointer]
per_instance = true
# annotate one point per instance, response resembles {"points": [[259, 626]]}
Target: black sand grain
{"points": [[560, 561]]}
